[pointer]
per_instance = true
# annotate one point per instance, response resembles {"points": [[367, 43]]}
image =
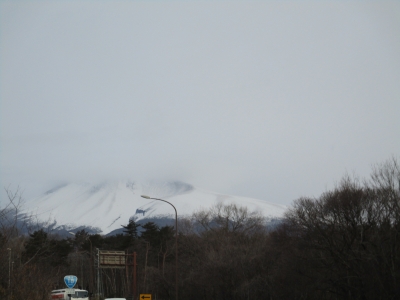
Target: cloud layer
{"points": [[261, 99]]}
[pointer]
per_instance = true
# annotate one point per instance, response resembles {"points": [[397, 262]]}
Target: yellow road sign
{"points": [[145, 297]]}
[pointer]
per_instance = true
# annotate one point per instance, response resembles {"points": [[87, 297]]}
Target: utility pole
{"points": [[9, 273], [98, 273], [9, 269]]}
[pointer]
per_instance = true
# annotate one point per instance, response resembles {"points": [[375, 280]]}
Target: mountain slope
{"points": [[107, 206]]}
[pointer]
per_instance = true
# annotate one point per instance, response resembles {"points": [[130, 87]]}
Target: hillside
{"points": [[109, 205]]}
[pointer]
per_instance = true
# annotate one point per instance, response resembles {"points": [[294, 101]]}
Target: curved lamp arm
{"points": [[176, 241]]}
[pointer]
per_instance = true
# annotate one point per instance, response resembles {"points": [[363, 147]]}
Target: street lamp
{"points": [[176, 242]]}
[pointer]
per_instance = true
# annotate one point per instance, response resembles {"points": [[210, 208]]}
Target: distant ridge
{"points": [[108, 205]]}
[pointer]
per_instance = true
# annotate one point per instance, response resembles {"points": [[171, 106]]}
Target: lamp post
{"points": [[176, 242]]}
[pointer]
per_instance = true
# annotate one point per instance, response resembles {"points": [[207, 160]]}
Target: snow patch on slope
{"points": [[109, 205]]}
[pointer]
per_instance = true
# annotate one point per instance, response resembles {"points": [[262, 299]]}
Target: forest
{"points": [[344, 244]]}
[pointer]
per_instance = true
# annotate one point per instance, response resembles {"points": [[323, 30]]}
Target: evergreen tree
{"points": [[131, 229], [127, 240], [151, 233], [37, 246]]}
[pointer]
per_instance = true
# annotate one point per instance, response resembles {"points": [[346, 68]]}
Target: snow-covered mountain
{"points": [[107, 206]]}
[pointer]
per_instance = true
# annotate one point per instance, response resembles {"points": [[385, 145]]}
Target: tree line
{"points": [[344, 244]]}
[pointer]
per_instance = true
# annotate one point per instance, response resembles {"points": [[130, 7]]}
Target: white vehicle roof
{"points": [[63, 290]]}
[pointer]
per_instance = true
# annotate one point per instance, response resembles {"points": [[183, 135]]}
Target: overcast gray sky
{"points": [[267, 99]]}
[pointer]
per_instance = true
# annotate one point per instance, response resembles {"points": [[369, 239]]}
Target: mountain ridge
{"points": [[108, 205]]}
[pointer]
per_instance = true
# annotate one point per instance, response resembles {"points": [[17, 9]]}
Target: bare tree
{"points": [[229, 217], [9, 214], [350, 236]]}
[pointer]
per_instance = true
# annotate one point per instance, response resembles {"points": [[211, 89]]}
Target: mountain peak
{"points": [[108, 205]]}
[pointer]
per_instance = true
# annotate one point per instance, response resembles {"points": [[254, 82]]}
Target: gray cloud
{"points": [[263, 99]]}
